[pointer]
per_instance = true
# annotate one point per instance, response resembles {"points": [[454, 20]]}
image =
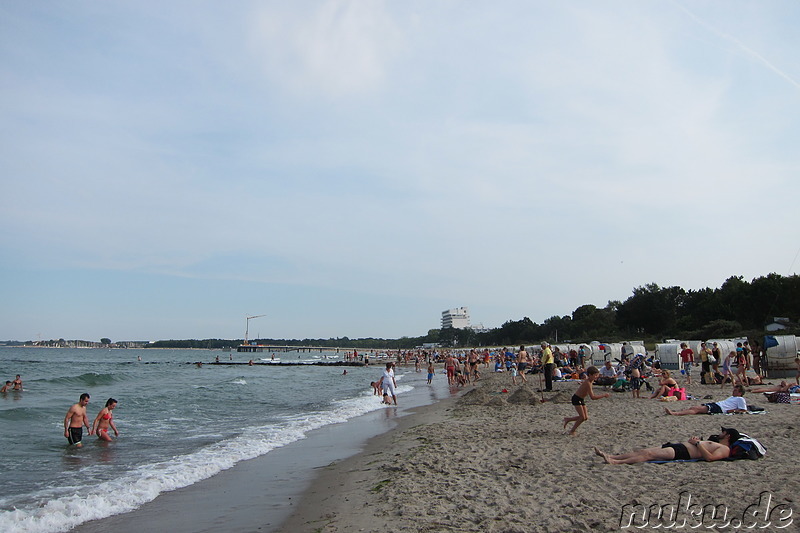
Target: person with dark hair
{"points": [[694, 448], [75, 420], [731, 404], [104, 420], [389, 384], [579, 400]]}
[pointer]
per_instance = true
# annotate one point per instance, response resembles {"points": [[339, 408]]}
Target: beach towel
{"points": [[675, 461]]}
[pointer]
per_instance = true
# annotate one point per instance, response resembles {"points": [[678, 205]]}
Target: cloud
{"points": [[336, 47]]}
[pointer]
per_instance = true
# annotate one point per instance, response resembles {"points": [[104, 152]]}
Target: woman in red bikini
{"points": [[104, 420]]}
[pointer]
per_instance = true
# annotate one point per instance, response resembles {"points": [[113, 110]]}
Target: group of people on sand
{"points": [[716, 448], [76, 419], [718, 370], [15, 385]]}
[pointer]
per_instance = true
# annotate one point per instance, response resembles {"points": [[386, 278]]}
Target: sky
{"points": [[354, 168]]}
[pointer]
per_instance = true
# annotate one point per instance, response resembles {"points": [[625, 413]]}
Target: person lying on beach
{"points": [[578, 399], [666, 383], [753, 380], [782, 387], [694, 448], [732, 404]]}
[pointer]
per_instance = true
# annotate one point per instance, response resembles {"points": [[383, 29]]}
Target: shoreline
{"points": [[260, 493], [498, 462]]}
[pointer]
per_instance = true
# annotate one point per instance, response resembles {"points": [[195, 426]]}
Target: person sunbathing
{"points": [[731, 404], [782, 387], [694, 448]]}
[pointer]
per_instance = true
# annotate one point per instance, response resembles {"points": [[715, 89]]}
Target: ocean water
{"points": [[178, 424]]}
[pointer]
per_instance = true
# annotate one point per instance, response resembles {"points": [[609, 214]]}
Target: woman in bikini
{"points": [[104, 420], [666, 383]]}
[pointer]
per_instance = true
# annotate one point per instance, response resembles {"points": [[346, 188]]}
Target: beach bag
{"points": [[712, 360], [747, 448], [679, 393], [779, 397]]}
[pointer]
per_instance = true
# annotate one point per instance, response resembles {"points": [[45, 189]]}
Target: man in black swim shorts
{"points": [[75, 420], [694, 448]]}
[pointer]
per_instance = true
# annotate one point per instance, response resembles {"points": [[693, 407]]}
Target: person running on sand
{"points": [[578, 399], [694, 448], [104, 420], [75, 420], [732, 404]]}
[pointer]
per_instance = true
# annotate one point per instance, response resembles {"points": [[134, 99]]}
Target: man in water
{"points": [[75, 420]]}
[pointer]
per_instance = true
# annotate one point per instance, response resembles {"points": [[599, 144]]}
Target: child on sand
{"points": [[636, 383], [513, 373], [584, 390]]}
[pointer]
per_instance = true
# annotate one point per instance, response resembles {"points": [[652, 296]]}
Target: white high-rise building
{"points": [[456, 318]]}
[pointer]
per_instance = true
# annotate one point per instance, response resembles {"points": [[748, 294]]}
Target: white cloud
{"points": [[335, 47]]}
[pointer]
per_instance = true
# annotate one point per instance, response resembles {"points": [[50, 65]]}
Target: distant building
{"points": [[478, 328], [456, 318], [778, 323]]}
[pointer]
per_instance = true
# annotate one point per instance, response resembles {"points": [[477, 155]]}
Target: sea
{"points": [[179, 423]]}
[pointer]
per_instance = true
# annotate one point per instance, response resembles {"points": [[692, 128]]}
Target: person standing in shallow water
{"points": [[75, 421], [389, 384], [104, 420]]}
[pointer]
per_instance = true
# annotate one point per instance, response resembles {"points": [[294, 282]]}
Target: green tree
{"points": [[105, 340]]}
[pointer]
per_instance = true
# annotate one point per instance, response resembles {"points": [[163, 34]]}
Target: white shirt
{"points": [[731, 403]]}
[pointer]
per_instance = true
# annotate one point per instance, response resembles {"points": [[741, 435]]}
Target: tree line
{"points": [[651, 313]]}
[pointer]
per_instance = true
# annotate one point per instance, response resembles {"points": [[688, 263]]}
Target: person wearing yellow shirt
{"points": [[549, 365]]}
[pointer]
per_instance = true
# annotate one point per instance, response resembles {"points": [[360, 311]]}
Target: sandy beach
{"points": [[501, 462]]}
